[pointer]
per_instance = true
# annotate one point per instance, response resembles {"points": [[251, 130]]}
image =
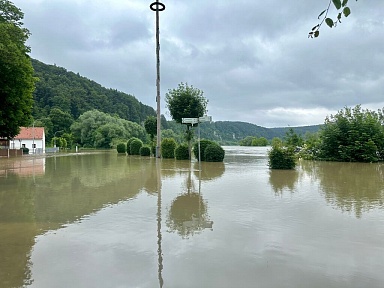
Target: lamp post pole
{"points": [[157, 7], [54, 139]]}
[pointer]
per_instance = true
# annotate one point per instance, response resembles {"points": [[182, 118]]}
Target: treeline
{"points": [[61, 97], [351, 135]]}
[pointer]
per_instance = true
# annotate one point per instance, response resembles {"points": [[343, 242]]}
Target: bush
{"points": [[135, 146], [145, 150], [203, 144], [214, 153], [121, 148], [281, 158], [182, 152], [130, 140], [25, 150], [168, 146]]}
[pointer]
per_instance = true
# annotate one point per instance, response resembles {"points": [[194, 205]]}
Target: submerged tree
{"points": [[353, 135], [186, 102], [16, 73]]}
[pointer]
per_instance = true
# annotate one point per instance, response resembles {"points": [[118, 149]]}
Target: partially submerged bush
{"points": [[214, 153], [130, 140], [203, 144], [145, 150], [121, 148], [168, 146], [135, 146], [281, 157], [25, 150], [181, 152]]}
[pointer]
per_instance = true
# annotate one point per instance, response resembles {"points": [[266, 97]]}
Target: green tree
{"points": [[186, 102], [16, 73], [150, 125], [100, 130], [281, 157], [353, 135], [61, 121], [168, 146], [291, 139]]}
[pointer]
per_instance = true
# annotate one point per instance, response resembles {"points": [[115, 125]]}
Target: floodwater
{"points": [[103, 220]]}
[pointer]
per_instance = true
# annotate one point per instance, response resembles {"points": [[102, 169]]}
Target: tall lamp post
{"points": [[158, 7]]}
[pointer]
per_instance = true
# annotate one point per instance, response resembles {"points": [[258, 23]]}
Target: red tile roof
{"points": [[30, 133]]}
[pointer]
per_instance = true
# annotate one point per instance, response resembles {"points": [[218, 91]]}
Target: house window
{"points": [[23, 145]]}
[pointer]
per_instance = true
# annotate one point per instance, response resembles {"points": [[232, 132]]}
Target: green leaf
{"points": [[329, 22], [344, 3], [337, 4], [346, 11], [315, 27], [317, 33], [318, 17]]}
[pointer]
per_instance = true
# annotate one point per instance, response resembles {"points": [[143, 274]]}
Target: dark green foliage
{"points": [[135, 146], [181, 152], [214, 153], [121, 148], [100, 130], [291, 139], [130, 140], [150, 126], [168, 146], [253, 141], [25, 150], [203, 144], [16, 72], [145, 150], [353, 135], [185, 102], [74, 94], [342, 10], [281, 157]]}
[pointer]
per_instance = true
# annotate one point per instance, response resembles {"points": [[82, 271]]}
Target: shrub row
{"points": [[210, 151]]}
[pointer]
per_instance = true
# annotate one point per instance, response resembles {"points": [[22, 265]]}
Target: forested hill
{"points": [[233, 131], [74, 94], [60, 94]]}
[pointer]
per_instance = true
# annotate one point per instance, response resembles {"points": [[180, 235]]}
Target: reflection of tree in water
{"points": [[283, 180], [209, 170], [357, 187], [188, 212]]}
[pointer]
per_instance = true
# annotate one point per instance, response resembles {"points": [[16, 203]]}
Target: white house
{"points": [[32, 138]]}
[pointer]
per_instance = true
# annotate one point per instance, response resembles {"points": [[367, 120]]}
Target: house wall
{"points": [[39, 145]]}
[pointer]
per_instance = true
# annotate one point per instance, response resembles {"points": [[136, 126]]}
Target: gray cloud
{"points": [[253, 60]]}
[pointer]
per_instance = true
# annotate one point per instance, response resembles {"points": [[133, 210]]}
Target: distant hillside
{"points": [[302, 130], [72, 93]]}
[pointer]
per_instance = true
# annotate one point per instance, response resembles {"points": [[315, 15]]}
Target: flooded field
{"points": [[104, 220]]}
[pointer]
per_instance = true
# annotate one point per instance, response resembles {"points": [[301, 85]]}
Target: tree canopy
{"points": [[16, 72], [353, 135], [100, 130], [185, 102]]}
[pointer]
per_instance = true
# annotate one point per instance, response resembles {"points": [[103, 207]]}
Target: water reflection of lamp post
{"points": [[159, 236]]}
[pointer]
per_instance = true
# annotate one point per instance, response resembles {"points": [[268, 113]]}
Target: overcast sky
{"points": [[252, 59]]}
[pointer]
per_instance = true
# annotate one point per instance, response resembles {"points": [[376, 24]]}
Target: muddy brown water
{"points": [[103, 220]]}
